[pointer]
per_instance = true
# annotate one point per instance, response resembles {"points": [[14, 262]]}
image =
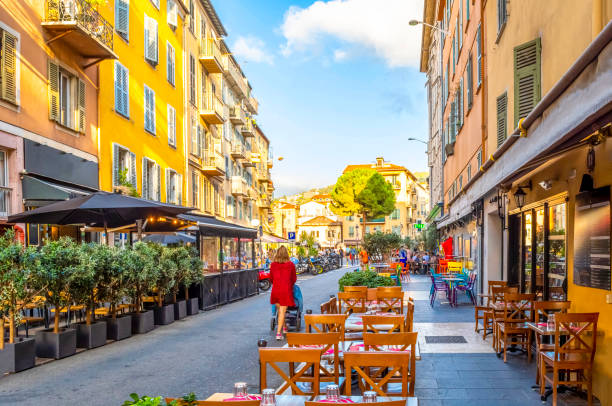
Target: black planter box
{"points": [[180, 310], [142, 322], [18, 356], [119, 328], [164, 315], [192, 306], [56, 345], [91, 336]]}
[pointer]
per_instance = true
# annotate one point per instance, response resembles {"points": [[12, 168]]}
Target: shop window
{"points": [[557, 268], [230, 254], [210, 253], [527, 252]]}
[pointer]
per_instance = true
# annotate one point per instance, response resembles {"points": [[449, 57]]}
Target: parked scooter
{"points": [[265, 282]]}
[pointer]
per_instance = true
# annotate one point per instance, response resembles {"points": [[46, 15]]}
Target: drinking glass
{"points": [[268, 397], [240, 390], [369, 397], [551, 321], [332, 392]]}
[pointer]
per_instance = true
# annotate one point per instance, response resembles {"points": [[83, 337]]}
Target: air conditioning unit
{"points": [[449, 149]]}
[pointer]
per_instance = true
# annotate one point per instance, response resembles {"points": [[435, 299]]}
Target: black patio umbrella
{"points": [[169, 238], [99, 209]]}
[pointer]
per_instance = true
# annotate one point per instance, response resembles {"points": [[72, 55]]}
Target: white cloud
{"points": [[380, 26], [340, 55], [252, 49]]}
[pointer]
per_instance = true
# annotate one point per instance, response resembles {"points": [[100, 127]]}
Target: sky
{"points": [[337, 82]]}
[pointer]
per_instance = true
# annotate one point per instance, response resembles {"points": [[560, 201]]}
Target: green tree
{"points": [[310, 249], [379, 245], [363, 192], [116, 279], [430, 238], [141, 271]]}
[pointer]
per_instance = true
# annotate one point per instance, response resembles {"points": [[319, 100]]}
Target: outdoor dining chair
{"points": [[300, 361], [479, 311], [352, 302], [468, 288], [437, 286], [574, 356], [390, 299], [491, 315], [383, 324], [511, 329], [326, 323], [387, 365], [329, 307], [542, 312]]}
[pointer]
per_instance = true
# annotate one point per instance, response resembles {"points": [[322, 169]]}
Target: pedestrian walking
{"points": [[353, 255], [341, 253], [363, 258], [283, 276]]}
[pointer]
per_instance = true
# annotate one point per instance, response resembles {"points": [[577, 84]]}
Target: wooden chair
{"points": [[490, 315], [360, 289], [329, 307], [388, 364], [329, 345], [574, 357], [383, 403], [181, 402], [390, 299], [375, 324], [542, 311], [398, 342], [409, 325], [305, 359], [511, 329], [485, 308], [326, 323], [352, 302]]}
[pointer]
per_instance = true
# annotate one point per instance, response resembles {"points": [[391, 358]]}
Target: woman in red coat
{"points": [[283, 276]]}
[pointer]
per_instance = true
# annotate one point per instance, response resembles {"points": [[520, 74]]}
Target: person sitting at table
{"points": [[283, 277]]}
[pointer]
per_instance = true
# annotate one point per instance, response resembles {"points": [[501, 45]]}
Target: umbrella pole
{"points": [[139, 229], [106, 233]]}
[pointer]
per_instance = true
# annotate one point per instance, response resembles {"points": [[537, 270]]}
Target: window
{"points": [[5, 191], [460, 182], [122, 90], [151, 180], [192, 80], [150, 40], [195, 142], [460, 105], [173, 187], [195, 189], [8, 67], [469, 172], [172, 13], [479, 56], [155, 3], [460, 25], [66, 98], [122, 18], [479, 159], [454, 50], [149, 109], [502, 118], [124, 166], [216, 198], [206, 194], [467, 10], [526, 78], [202, 27], [501, 15], [470, 81], [395, 215], [396, 230], [170, 64], [191, 16], [171, 126]]}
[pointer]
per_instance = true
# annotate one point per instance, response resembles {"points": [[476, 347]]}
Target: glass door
{"points": [[527, 252], [539, 259], [557, 269]]}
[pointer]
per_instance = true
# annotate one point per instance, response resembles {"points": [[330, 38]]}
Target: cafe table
{"points": [[353, 346], [354, 321], [281, 400], [411, 401], [450, 280]]}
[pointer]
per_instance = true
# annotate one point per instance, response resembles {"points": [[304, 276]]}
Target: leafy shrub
{"points": [[364, 278]]}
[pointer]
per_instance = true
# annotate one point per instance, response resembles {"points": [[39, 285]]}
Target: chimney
{"points": [[380, 161]]}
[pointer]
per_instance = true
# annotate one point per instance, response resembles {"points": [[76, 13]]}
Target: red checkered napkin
{"points": [[247, 397]]}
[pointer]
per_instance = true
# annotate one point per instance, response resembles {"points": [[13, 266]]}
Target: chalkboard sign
{"points": [[33, 235], [592, 239]]}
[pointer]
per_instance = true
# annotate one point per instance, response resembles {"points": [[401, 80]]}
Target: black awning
{"points": [[211, 226], [39, 192]]}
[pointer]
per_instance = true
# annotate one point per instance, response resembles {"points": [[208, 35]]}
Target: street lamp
{"points": [[416, 139], [417, 22]]}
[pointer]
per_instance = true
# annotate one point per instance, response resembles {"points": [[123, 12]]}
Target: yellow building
{"points": [[141, 142]]}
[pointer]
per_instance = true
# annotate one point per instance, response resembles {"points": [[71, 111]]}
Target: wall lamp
{"points": [[519, 195], [417, 22]]}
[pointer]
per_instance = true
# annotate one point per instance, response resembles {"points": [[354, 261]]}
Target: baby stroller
{"points": [[293, 316]]}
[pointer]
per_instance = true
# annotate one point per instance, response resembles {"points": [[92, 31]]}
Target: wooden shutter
{"points": [[179, 189], [172, 13], [470, 79], [502, 118], [145, 178], [168, 186], [170, 67], [53, 77], [116, 166], [133, 176], [157, 182], [152, 109], [81, 106], [150, 36], [122, 17], [9, 67], [526, 78]]}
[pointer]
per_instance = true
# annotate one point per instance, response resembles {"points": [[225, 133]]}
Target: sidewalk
{"points": [[467, 372]]}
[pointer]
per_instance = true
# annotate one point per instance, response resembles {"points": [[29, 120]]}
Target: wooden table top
{"points": [[358, 346], [546, 330], [358, 399], [281, 400]]}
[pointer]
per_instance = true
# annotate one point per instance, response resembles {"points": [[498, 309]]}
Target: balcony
{"points": [[255, 157], [252, 193], [235, 78], [247, 129], [252, 104], [270, 163], [239, 186], [238, 151], [396, 185], [78, 25], [210, 56], [263, 203], [248, 160], [213, 164], [212, 109], [237, 115]]}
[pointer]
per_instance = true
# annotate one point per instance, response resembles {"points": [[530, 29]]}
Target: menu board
{"points": [[592, 239]]}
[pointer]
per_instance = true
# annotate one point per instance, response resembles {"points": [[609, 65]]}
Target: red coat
{"points": [[283, 278]]}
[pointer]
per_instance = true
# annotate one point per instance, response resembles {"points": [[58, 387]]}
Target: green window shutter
{"points": [[527, 78], [133, 176], [502, 118], [53, 77], [116, 167], [8, 69], [157, 182], [179, 189], [81, 107], [145, 178]]}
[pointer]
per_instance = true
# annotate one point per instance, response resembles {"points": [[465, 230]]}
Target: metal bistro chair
{"points": [[468, 288], [437, 286]]}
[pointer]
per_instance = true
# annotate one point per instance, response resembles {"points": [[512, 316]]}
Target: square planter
{"points": [[119, 328], [164, 315], [180, 310], [193, 306], [18, 356], [91, 336], [56, 345], [142, 322]]}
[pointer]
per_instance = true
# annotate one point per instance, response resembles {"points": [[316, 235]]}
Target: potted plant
{"points": [[167, 270], [17, 266], [58, 262], [141, 274], [194, 276], [115, 289], [180, 257], [86, 289]]}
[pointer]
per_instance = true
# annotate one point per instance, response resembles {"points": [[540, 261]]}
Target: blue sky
{"points": [[337, 81]]}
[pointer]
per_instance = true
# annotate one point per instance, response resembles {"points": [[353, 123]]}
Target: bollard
{"points": [[260, 344], [309, 311]]}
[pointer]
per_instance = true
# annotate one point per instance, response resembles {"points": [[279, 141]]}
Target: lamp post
{"points": [[417, 22]]}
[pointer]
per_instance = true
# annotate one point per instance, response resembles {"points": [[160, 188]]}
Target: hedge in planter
{"points": [[188, 271], [114, 289], [166, 279], [364, 278], [17, 288], [141, 275], [58, 263]]}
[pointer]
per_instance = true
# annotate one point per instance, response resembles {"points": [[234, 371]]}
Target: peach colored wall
{"points": [[32, 114], [13, 145]]}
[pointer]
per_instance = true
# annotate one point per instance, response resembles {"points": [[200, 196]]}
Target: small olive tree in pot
{"points": [[114, 290], [58, 262], [141, 273], [17, 265], [166, 279], [194, 276], [180, 257]]}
